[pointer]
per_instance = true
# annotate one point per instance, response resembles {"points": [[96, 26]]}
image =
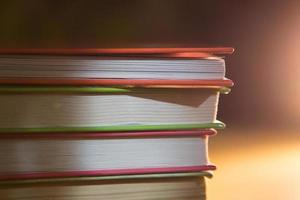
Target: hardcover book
{"points": [[75, 109], [143, 67], [35, 156], [181, 188]]}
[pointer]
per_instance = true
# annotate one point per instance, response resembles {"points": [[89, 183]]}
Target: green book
{"points": [[103, 109]]}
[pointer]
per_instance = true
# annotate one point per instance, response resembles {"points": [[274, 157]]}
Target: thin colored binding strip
{"points": [[96, 89], [116, 82], [97, 179], [115, 51], [110, 135], [215, 125], [44, 175]]}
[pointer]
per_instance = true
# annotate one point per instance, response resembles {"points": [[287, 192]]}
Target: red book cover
{"points": [[173, 52], [118, 82], [105, 135]]}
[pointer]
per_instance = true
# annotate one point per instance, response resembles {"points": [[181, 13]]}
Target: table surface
{"points": [[255, 164]]}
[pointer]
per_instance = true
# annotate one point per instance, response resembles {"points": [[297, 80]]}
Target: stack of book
{"points": [[108, 123]]}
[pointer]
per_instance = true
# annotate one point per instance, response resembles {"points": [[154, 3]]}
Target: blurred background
{"points": [[258, 155]]}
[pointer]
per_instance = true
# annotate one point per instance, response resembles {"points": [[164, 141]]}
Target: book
{"points": [[123, 67], [77, 109], [181, 188], [39, 156]]}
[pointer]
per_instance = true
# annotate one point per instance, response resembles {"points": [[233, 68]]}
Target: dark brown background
{"points": [[265, 66], [258, 154]]}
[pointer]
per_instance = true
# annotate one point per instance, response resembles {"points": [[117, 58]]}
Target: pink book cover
{"points": [[90, 173], [160, 52], [119, 82]]}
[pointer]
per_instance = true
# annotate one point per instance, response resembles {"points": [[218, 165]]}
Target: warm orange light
{"points": [[257, 164]]}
